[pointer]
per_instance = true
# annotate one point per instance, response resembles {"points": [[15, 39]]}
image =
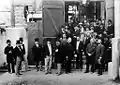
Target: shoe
{"points": [[17, 75], [41, 70], [50, 72], [80, 69], [9, 72], [58, 74], [13, 72], [37, 70], [66, 72], [20, 74], [86, 72], [92, 72], [99, 74], [46, 73]]}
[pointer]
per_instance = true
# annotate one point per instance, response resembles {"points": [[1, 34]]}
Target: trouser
{"points": [[100, 69], [59, 68], [48, 63], [18, 65], [90, 61], [11, 67], [38, 65], [79, 62], [68, 66]]}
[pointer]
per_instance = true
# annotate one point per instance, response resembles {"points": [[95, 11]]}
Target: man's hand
{"points": [[10, 51], [75, 55], [89, 54], [66, 57], [56, 50], [99, 60]]}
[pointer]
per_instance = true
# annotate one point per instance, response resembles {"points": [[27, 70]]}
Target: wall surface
{"points": [[13, 34], [110, 10]]}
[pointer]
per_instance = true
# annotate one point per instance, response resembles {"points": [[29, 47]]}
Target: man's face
{"points": [[99, 41], [64, 35], [92, 40], [36, 42], [48, 42], [21, 42], [66, 27], [9, 43], [18, 45], [109, 23], [57, 43]]}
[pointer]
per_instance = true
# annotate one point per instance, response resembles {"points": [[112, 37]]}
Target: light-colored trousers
{"points": [[18, 65], [48, 63], [58, 68]]}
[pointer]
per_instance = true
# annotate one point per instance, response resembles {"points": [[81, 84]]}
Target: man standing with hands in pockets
{"points": [[48, 51]]}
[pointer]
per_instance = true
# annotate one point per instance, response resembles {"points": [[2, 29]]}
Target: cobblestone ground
{"points": [[39, 78]]}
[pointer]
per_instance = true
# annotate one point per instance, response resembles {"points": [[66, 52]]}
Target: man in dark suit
{"points": [[9, 56], [19, 55], [90, 58], [110, 28], [78, 52], [37, 52], [22, 46], [99, 56], [48, 52]]}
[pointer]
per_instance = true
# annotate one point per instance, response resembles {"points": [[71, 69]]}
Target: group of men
{"points": [[91, 40], [15, 56], [65, 50]]}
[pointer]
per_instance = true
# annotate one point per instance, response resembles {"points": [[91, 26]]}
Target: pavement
{"points": [[39, 78]]}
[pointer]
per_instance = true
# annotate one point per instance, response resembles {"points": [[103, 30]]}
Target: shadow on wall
{"points": [[13, 34]]}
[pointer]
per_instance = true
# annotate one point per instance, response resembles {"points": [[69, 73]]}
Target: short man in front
{"points": [[99, 56]]}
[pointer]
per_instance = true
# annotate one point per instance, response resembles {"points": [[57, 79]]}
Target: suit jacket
{"points": [[18, 53], [23, 49], [91, 48], [69, 51], [99, 51], [37, 52], [110, 29], [46, 50], [80, 48], [58, 54], [9, 56]]}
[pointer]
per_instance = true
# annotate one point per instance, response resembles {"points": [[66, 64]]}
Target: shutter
{"points": [[53, 18]]}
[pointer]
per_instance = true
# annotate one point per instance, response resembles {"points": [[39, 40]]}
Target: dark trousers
{"points": [[100, 69], [68, 66], [90, 61], [38, 65], [79, 61], [11, 67]]}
